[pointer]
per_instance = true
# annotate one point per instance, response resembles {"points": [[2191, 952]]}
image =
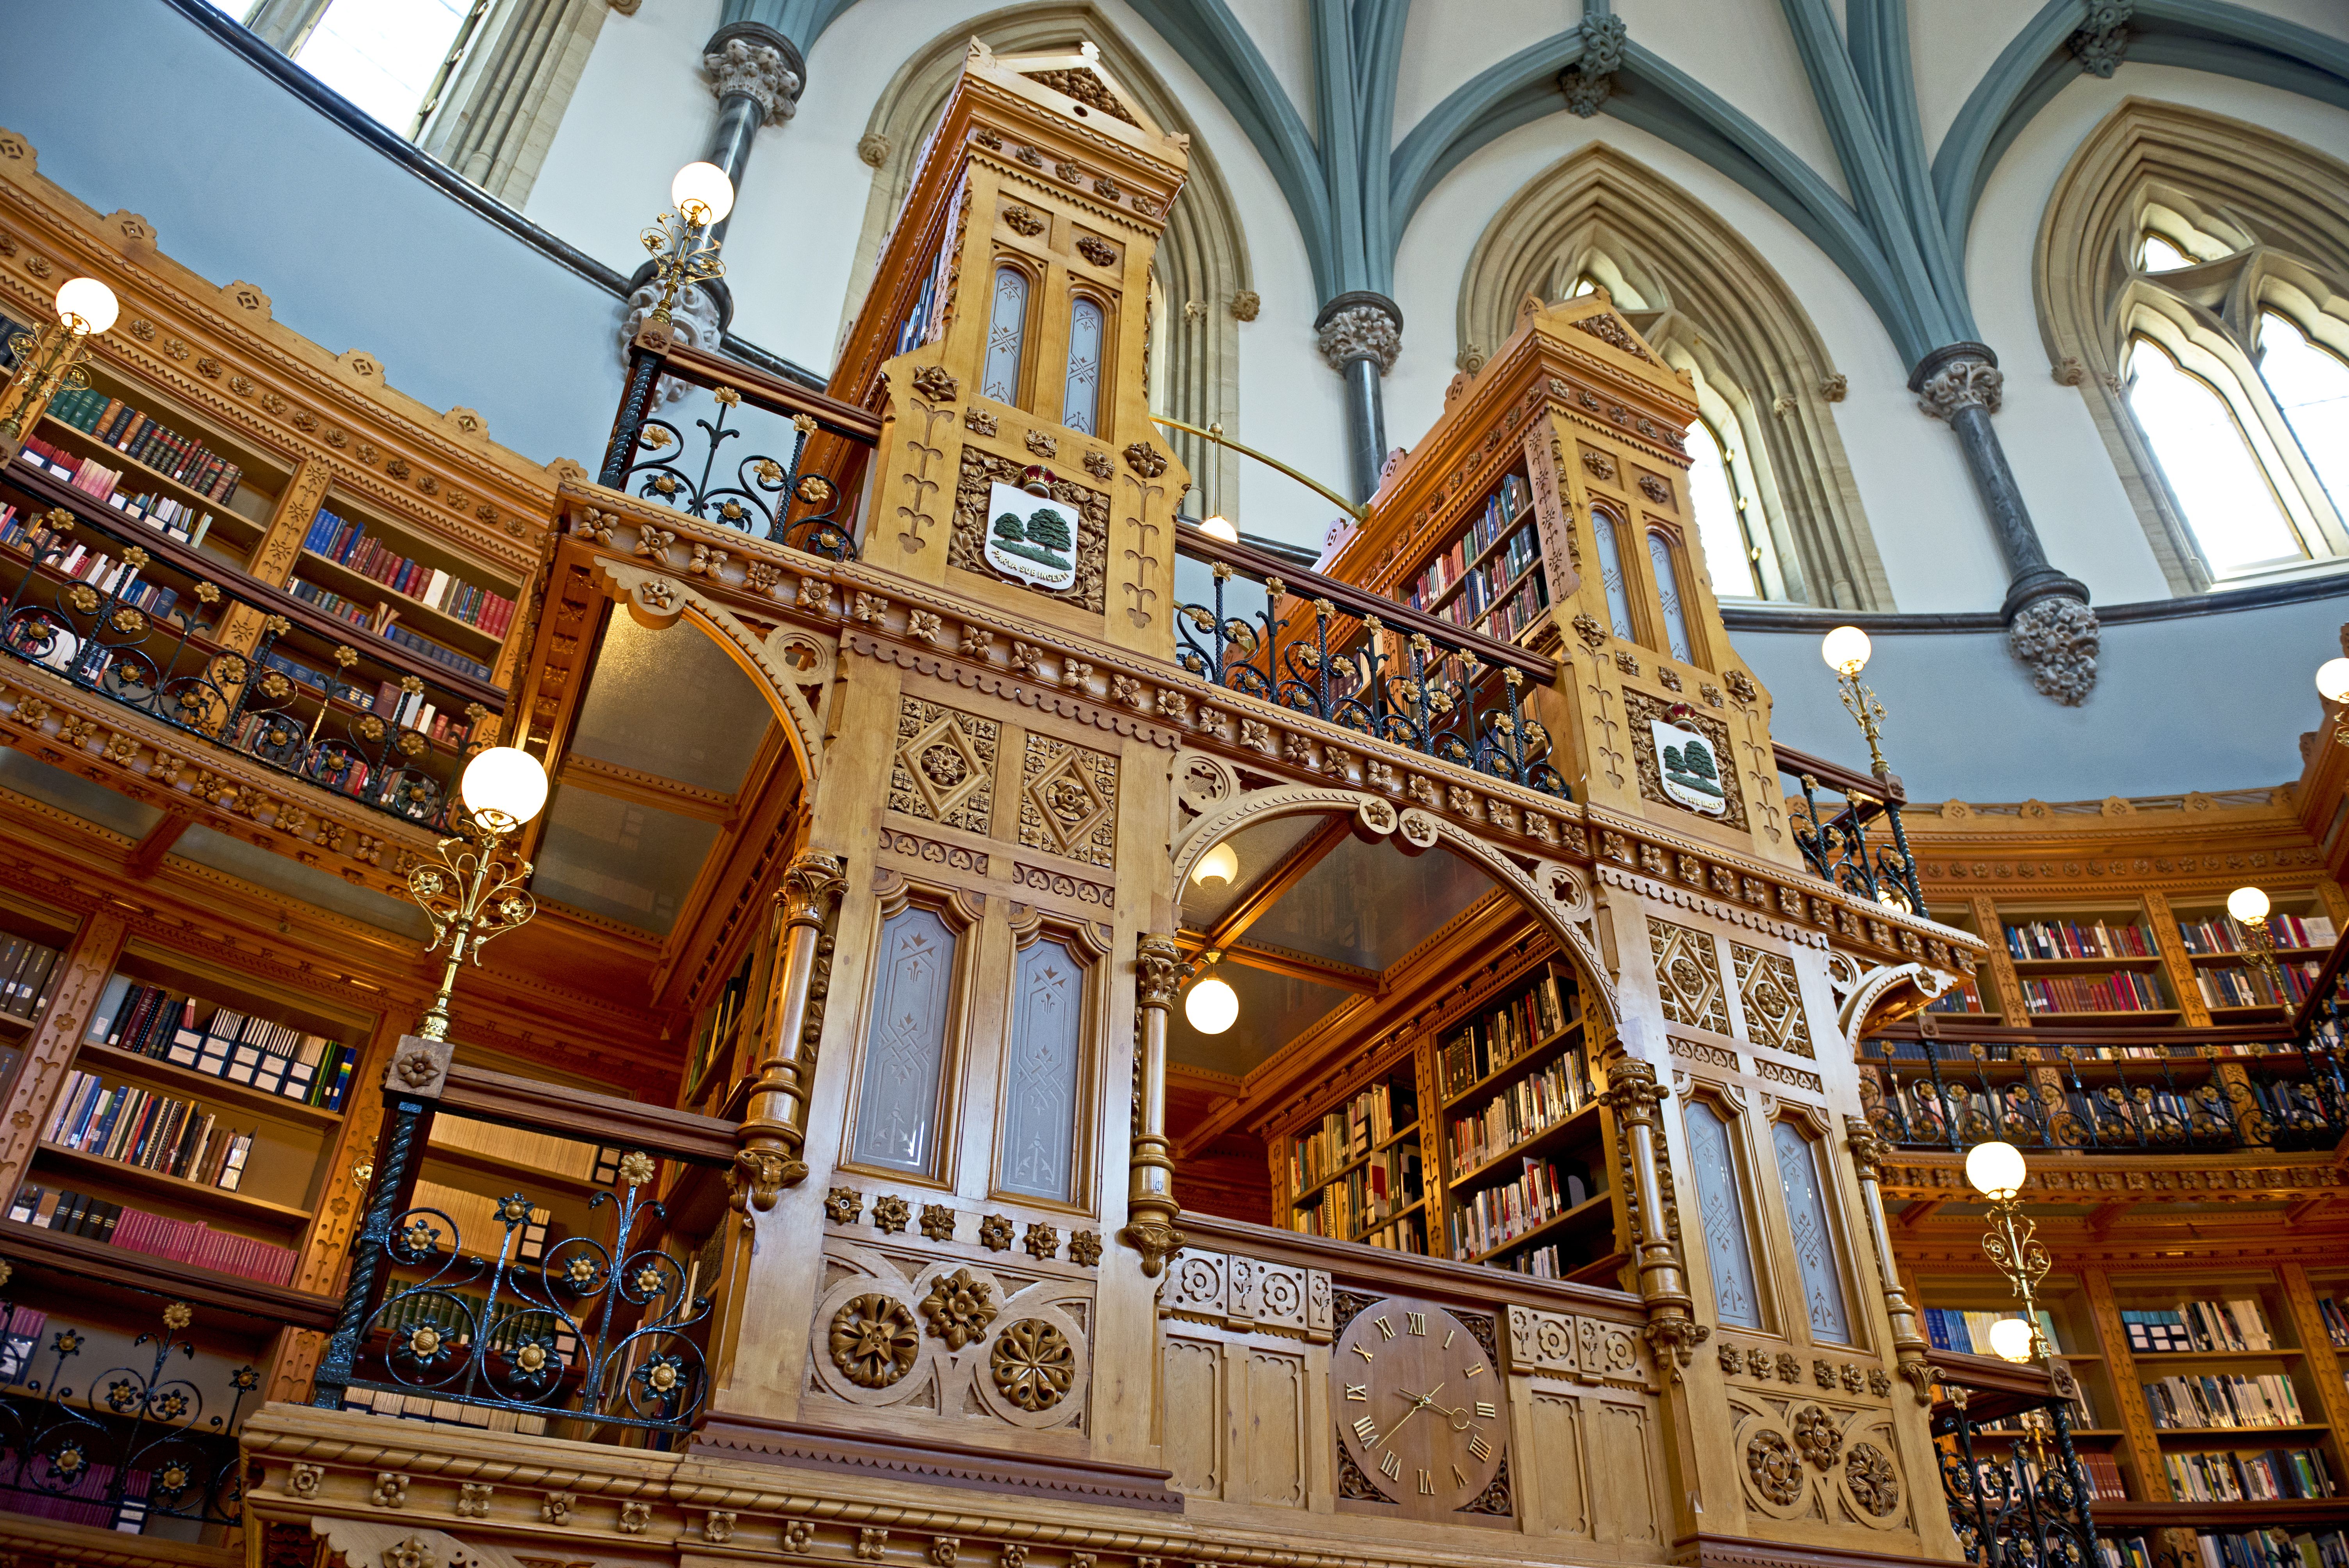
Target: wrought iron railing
{"points": [[1835, 838], [2017, 1493], [182, 661], [591, 1336], [83, 1443], [1290, 636], [799, 495]]}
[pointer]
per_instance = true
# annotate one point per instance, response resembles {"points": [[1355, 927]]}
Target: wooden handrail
{"points": [[710, 370], [539, 1106], [1438, 1279], [1836, 776]]}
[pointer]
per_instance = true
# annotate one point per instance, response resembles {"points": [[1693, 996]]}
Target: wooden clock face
{"points": [[1419, 1406]]}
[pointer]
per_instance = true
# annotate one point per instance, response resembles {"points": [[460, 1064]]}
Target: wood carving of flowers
{"points": [[958, 1308], [873, 1341]]}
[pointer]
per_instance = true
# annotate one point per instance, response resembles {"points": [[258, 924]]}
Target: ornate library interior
{"points": [[1344, 647]]}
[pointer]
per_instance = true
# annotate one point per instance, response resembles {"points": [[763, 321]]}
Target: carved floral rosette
{"points": [[1822, 1461], [993, 1378]]}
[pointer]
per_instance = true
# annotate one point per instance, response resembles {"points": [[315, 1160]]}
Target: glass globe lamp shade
{"points": [[1845, 649], [1994, 1169], [703, 194], [2010, 1338], [87, 305], [504, 784], [1220, 528], [1211, 1005], [1218, 865], [2247, 905], [2332, 680]]}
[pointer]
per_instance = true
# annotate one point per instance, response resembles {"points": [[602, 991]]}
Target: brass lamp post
{"points": [[1995, 1170], [1846, 649], [2333, 686], [682, 255], [475, 890], [2249, 905], [52, 363]]}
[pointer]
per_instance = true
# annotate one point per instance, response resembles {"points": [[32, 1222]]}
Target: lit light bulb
{"points": [[1994, 1169], [2332, 680], [703, 194], [2010, 1338], [1211, 1005], [1218, 865], [1220, 528], [503, 782], [1846, 650], [2247, 905], [87, 305]]}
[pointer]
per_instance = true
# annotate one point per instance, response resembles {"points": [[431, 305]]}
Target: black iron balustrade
{"points": [[119, 1445], [2017, 1493], [175, 665], [798, 497], [1835, 841], [588, 1336], [1315, 646]]}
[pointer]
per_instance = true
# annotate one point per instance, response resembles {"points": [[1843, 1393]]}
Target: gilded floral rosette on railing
{"points": [[762, 493]]}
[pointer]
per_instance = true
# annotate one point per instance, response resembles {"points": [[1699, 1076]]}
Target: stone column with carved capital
{"points": [[2049, 627], [774, 1129], [1633, 1094], [1151, 1207], [1360, 334], [1868, 1153]]}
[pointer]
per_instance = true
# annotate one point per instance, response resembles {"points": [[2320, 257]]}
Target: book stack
{"points": [[2225, 936], [1406, 1234], [1520, 612], [2078, 939], [534, 1150], [1531, 1106], [144, 440], [2266, 1399], [1350, 1133], [2105, 1483], [1540, 1192], [135, 1229], [1541, 1263], [481, 1231], [2336, 1321], [2125, 990], [2249, 988], [424, 1408], [1968, 1332], [1962, 997], [1502, 510], [2236, 1324], [153, 1131], [220, 1042], [108, 573], [1486, 1044], [1387, 1183], [2247, 1475], [29, 974], [380, 621], [350, 546], [2271, 1548]]}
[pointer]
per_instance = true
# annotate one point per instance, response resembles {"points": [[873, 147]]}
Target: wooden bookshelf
{"points": [[115, 1173]]}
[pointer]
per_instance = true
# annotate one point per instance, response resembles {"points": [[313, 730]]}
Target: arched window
{"points": [[1611, 571], [2311, 385], [1721, 1194], [1080, 398], [1731, 556], [1816, 1260], [1007, 336], [2212, 473], [1668, 594]]}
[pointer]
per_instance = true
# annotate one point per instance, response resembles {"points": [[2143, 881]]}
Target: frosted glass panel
{"points": [[1007, 333], [1726, 1246], [905, 1044], [1080, 403], [1667, 589], [1610, 570], [1814, 1254], [1040, 1119]]}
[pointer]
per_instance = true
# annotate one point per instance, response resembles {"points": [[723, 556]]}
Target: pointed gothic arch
{"points": [[2266, 219], [1713, 308], [1201, 278]]}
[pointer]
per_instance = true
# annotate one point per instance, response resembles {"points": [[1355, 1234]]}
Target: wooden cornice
{"points": [[641, 789]]}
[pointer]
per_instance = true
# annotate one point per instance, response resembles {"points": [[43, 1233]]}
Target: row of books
{"points": [[238, 1048], [1490, 579], [108, 573], [351, 547], [1388, 1182], [135, 1229], [1483, 1047], [395, 706], [1408, 1234], [2225, 934], [1502, 510], [1967, 1333], [1508, 620], [457, 1313], [1531, 1106], [2247, 1475], [147, 441], [2237, 1323], [544, 1151], [447, 1412], [382, 621], [153, 1131], [1962, 997], [1540, 1192], [2336, 1320], [2249, 988], [1351, 1130], [29, 973], [2272, 1548], [163, 513], [2261, 1400], [2124, 990], [481, 1228], [2079, 939], [2104, 1472], [1540, 1263]]}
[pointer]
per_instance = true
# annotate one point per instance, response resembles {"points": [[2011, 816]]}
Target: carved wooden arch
{"points": [[1556, 893], [657, 600], [1886, 995]]}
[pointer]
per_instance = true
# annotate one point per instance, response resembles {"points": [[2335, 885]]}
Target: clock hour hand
{"points": [[1418, 1402]]}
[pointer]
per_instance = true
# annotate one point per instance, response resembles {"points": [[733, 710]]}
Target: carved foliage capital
{"points": [[2058, 638], [1869, 1152], [1961, 383], [1158, 970], [757, 71], [1359, 332], [810, 884], [1632, 1089]]}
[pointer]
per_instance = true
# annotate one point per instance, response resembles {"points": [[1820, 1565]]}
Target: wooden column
{"points": [[87, 965], [1151, 1201]]}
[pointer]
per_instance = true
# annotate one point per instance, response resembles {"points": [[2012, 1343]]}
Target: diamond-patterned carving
{"points": [[944, 767], [1688, 975], [1773, 1000], [1068, 802]]}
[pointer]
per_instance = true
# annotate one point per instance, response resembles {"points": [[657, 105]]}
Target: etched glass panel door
{"points": [[1007, 335], [1815, 1251], [1726, 1246], [1667, 589], [1611, 572], [904, 1045], [1040, 1075], [1080, 402]]}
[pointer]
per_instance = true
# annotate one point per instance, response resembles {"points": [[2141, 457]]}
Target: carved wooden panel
{"points": [[1193, 1378], [1274, 1428], [1232, 1291], [1562, 1497], [1773, 1000], [1688, 976], [1587, 1350], [945, 767], [1067, 800], [1628, 1498], [1041, 1069]]}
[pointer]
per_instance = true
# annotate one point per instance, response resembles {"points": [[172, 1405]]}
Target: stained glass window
{"points": [[1007, 335], [1080, 402], [1815, 1251], [1727, 1246], [905, 1044], [1040, 1075], [1668, 590]]}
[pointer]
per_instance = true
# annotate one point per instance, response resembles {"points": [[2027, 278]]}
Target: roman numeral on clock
{"points": [[1426, 1484], [1485, 1408], [1358, 1392], [1390, 1467], [1459, 1476], [1368, 1431], [1386, 1329], [1415, 1323], [1479, 1447]]}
